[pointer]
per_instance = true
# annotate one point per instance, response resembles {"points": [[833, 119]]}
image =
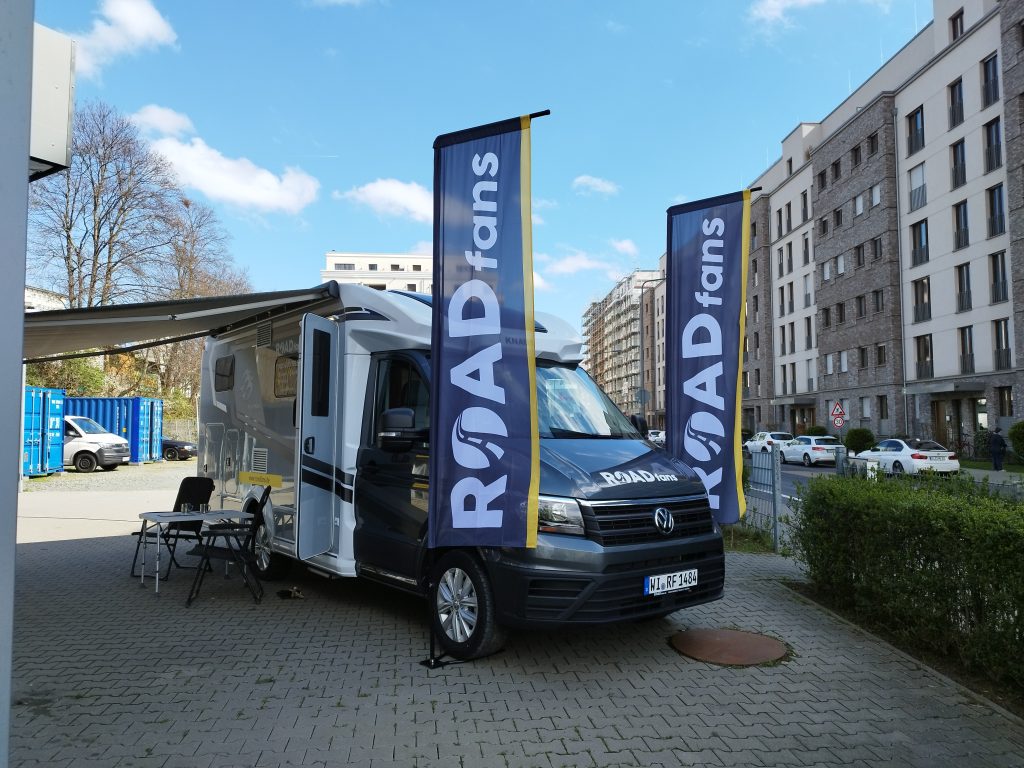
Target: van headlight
{"points": [[558, 515]]}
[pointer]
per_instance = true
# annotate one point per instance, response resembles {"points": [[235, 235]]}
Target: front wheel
{"points": [[462, 608], [85, 462], [170, 454], [270, 566]]}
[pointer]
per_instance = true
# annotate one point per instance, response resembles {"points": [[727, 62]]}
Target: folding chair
{"points": [[194, 491], [230, 543]]}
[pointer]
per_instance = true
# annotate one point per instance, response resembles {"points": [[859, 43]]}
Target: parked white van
{"points": [[329, 406], [88, 444]]}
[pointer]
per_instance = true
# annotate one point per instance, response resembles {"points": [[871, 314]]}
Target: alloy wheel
{"points": [[457, 604]]}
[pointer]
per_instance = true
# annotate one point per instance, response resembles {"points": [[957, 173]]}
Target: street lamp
{"points": [[643, 392]]}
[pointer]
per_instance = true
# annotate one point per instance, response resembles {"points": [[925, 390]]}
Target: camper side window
{"points": [[400, 385], [224, 374]]}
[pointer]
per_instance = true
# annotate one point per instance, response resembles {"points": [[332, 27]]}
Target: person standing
{"points": [[997, 447]]}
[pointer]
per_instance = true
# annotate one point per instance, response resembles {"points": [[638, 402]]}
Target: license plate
{"points": [[670, 582], [937, 458]]}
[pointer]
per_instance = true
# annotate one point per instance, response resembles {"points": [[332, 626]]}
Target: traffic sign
{"points": [[837, 410], [839, 421]]}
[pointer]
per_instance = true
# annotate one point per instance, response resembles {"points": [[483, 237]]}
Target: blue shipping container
{"points": [[139, 420], [43, 449]]}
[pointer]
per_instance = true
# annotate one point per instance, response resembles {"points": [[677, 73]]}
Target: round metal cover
{"points": [[728, 646]]}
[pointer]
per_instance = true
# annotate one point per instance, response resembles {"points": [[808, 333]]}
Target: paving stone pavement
{"points": [[108, 674]]}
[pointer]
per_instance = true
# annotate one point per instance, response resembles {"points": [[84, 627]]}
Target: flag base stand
{"points": [[433, 661]]}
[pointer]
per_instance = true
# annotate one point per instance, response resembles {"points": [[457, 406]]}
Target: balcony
{"points": [[924, 369], [1002, 359], [918, 255], [996, 225], [918, 197], [1000, 291], [922, 312], [956, 113], [915, 142], [963, 301], [967, 363], [957, 175], [961, 238], [989, 92], [993, 157]]}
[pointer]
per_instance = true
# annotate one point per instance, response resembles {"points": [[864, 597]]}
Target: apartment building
{"points": [[882, 271], [383, 271], [611, 329]]}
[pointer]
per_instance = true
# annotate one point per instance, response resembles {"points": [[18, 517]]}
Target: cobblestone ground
{"points": [[108, 674]]}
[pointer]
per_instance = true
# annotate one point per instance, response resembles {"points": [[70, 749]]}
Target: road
{"points": [[794, 475]]}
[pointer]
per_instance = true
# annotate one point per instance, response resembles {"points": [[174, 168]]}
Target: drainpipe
{"points": [[899, 262]]}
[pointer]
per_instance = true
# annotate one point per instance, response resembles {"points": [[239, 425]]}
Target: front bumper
{"points": [[568, 580], [107, 457]]}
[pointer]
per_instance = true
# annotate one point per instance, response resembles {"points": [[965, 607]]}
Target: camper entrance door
{"points": [[319, 422]]}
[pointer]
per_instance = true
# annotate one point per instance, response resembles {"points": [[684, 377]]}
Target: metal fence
{"points": [[765, 507], [181, 429]]}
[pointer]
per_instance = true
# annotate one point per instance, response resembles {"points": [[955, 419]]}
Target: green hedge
{"points": [[937, 563]]}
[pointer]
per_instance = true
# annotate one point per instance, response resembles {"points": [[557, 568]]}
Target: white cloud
{"points": [[237, 181], [161, 120], [586, 185], [625, 247], [124, 27], [537, 220], [575, 262], [423, 248], [539, 283], [777, 12], [540, 203], [391, 197]]}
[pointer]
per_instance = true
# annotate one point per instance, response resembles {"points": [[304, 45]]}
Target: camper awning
{"points": [[69, 332]]}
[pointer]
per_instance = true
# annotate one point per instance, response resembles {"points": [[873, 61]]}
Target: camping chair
{"points": [[194, 491], [233, 544]]}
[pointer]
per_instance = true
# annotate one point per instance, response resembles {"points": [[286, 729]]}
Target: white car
{"points": [[656, 436], [763, 441], [897, 457], [810, 450]]}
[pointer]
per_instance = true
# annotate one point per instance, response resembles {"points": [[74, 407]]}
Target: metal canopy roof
{"points": [[66, 333]]}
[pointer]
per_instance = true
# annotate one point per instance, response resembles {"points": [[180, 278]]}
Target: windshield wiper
{"points": [[573, 434]]}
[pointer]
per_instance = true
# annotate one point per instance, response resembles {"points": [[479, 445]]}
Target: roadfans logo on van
{"points": [[636, 476]]}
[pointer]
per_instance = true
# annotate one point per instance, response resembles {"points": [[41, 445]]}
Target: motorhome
{"points": [[329, 406]]}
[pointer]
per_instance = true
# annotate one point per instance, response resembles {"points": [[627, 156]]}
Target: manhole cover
{"points": [[728, 646]]}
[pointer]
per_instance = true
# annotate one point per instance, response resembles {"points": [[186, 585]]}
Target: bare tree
{"points": [[99, 228]]}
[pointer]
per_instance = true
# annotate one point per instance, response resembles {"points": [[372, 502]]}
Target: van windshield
{"points": [[571, 405], [88, 426]]}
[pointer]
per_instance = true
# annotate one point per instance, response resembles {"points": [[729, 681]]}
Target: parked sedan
{"points": [[897, 457], [763, 441], [656, 436], [810, 450], [178, 449]]}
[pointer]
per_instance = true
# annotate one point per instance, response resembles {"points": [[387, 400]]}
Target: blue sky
{"points": [[308, 124]]}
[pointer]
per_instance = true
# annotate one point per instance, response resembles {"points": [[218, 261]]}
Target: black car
{"points": [[178, 449]]}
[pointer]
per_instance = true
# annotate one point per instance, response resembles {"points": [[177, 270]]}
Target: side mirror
{"points": [[640, 423], [397, 434]]}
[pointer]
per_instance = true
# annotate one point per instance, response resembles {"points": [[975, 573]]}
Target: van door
{"points": [[319, 423]]}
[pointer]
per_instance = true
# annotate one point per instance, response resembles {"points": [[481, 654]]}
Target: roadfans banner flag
{"points": [[484, 459], [706, 276]]}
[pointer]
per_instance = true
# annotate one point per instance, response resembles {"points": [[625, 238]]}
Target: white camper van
{"points": [[329, 406]]}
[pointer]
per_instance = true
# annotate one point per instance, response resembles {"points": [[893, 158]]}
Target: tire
{"points": [[782, 457], [462, 609], [85, 462], [270, 566], [807, 460], [171, 454], [897, 468]]}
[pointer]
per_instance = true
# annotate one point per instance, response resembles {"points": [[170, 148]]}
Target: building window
{"points": [[956, 25], [876, 249], [877, 300], [918, 190], [807, 250], [961, 231], [343, 267], [372, 267], [396, 267], [880, 355], [808, 334], [837, 171], [826, 270], [1001, 337], [957, 165], [1004, 401], [781, 262], [999, 290], [923, 348], [862, 357], [862, 305], [993, 145], [828, 364], [789, 217], [921, 292], [805, 211], [956, 103], [865, 407], [417, 267], [963, 287], [965, 335], [841, 264], [919, 243], [826, 317], [876, 195], [789, 166], [996, 211], [858, 255], [822, 180], [778, 223], [837, 218], [753, 270], [841, 312], [858, 204], [989, 81], [883, 406], [789, 257], [915, 131], [855, 156], [873, 144], [843, 368], [823, 226]]}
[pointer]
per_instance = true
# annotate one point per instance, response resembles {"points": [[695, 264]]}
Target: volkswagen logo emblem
{"points": [[663, 520]]}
